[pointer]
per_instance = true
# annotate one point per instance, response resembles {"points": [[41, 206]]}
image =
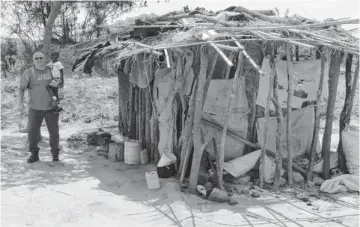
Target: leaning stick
{"points": [[167, 59], [226, 59], [227, 115], [256, 146], [242, 49]]}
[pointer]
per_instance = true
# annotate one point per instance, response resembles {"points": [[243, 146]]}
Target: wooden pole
{"points": [[290, 92], [267, 108], [142, 117], [279, 119], [131, 112], [217, 159], [317, 119], [186, 137], [137, 113], [195, 165], [148, 111], [227, 116], [345, 115], [334, 72]]}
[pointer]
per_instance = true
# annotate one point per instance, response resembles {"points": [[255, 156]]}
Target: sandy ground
{"points": [[88, 190]]}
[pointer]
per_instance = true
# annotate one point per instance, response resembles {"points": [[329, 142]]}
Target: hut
{"points": [[210, 87]]}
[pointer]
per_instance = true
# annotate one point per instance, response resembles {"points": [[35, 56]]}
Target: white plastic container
{"points": [[144, 158], [152, 180], [132, 149]]}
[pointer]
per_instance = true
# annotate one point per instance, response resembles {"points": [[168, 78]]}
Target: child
{"points": [[57, 70]]}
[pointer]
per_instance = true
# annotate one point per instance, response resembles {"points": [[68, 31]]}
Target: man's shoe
{"points": [[33, 158], [55, 158]]}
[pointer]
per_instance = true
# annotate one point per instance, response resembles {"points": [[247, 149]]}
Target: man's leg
{"points": [[52, 123], [34, 124]]}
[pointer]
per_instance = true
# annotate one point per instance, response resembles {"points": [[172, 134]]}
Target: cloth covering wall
{"points": [[308, 71]]}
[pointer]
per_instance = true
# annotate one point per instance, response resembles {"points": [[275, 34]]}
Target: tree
{"points": [[55, 10], [99, 12]]}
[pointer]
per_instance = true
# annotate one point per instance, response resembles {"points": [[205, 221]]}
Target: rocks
{"points": [[65, 120], [87, 120], [242, 189], [242, 180], [282, 181], [102, 151], [255, 194], [297, 177]]}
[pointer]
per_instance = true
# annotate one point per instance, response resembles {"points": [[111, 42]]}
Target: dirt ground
{"points": [[88, 190]]}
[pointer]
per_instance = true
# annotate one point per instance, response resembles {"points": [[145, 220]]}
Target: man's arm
{"points": [[24, 82]]}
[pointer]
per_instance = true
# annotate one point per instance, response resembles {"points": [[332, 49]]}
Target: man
{"points": [[35, 79]]}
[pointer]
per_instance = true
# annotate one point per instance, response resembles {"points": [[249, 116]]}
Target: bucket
{"points": [[166, 171], [132, 149], [152, 180]]}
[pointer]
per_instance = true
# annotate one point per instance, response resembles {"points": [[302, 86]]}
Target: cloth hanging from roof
{"points": [[302, 124], [215, 108], [307, 76], [141, 71], [168, 82]]}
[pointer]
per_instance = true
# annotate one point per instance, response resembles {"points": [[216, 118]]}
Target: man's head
{"points": [[39, 60], [54, 56]]}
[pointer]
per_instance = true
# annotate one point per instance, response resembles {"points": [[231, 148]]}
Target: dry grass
{"points": [[92, 98]]}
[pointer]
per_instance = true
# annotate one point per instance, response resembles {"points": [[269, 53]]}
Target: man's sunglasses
{"points": [[40, 58]]}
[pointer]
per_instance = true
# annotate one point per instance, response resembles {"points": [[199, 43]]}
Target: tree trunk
{"points": [[289, 107], [270, 92], [334, 72], [195, 165], [55, 10], [345, 116]]}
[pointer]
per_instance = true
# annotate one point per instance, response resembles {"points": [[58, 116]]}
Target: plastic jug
{"points": [[152, 180], [144, 159]]}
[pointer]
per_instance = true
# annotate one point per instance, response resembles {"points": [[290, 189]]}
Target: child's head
{"points": [[54, 56]]}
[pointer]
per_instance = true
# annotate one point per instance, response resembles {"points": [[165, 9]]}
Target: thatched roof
{"points": [[153, 34]]}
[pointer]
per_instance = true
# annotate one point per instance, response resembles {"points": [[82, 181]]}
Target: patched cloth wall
{"points": [[215, 108], [302, 125], [307, 76]]}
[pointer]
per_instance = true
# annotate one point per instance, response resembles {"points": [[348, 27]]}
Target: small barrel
{"points": [[132, 149]]}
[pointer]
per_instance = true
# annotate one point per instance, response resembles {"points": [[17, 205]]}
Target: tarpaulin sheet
{"points": [[302, 125], [215, 107], [141, 71], [306, 71]]}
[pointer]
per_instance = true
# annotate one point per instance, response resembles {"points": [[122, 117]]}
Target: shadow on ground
{"points": [[167, 204]]}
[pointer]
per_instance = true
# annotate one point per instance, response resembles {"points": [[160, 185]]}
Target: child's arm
{"points": [[61, 84]]}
